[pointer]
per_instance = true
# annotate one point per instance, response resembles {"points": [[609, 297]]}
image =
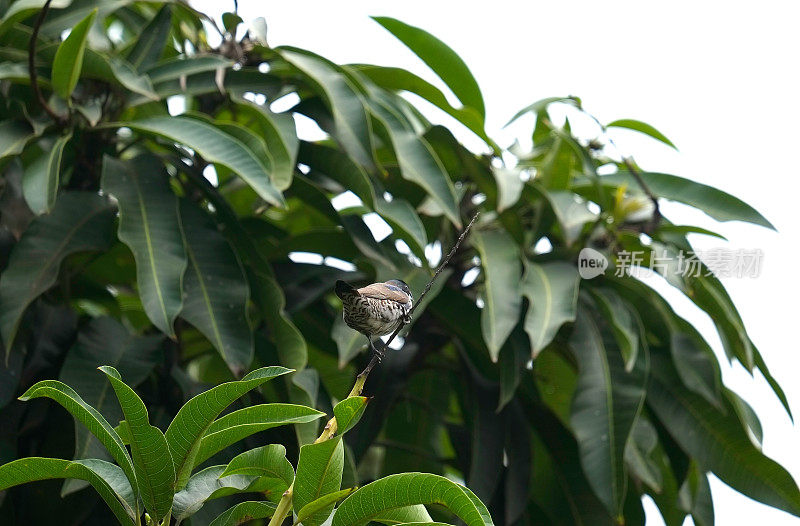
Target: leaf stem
{"points": [[60, 120]]}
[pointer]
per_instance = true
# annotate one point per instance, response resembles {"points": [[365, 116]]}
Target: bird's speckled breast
{"points": [[375, 317]]}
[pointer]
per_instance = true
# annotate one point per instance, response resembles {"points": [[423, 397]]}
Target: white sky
{"points": [[718, 78]]}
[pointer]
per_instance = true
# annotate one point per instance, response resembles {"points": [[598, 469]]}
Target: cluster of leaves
{"points": [[163, 245]]}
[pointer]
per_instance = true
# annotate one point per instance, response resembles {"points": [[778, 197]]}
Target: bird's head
{"points": [[400, 285]]}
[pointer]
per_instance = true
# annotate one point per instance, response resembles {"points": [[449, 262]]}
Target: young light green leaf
{"points": [[40, 180], [155, 470], [348, 412], [552, 292], [215, 289], [215, 146], [718, 441], [502, 299], [150, 44], [88, 416], [265, 461], [205, 485], [244, 512], [186, 431], [322, 503], [641, 127], [80, 222], [150, 225], [101, 475], [350, 118], [441, 59], [242, 423], [319, 472], [418, 162], [407, 489], [605, 405], [69, 57]]}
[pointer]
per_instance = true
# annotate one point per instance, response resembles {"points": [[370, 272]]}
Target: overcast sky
{"points": [[719, 79]]}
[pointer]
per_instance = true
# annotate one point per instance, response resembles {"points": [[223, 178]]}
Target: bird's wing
{"points": [[382, 292]]}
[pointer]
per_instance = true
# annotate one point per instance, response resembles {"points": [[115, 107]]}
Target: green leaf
{"points": [[150, 225], [322, 503], [14, 135], [205, 485], [152, 40], [572, 213], [104, 341], [541, 105], [183, 66], [230, 21], [215, 146], [41, 179], [106, 478], [773, 383], [22, 9], [502, 300], [352, 128], [335, 164], [623, 323], [319, 472], [552, 292], [406, 224], [688, 229], [718, 441], [186, 431], [605, 406], [348, 412], [509, 187], [638, 452], [399, 79], [242, 423], [716, 203], [215, 288], [406, 489], [278, 130], [155, 470], [418, 162], [265, 461], [80, 222], [88, 416], [69, 57], [441, 59], [244, 512], [641, 127], [348, 342], [404, 514]]}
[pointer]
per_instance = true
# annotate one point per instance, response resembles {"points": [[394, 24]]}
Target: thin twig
{"points": [[374, 361], [32, 67]]}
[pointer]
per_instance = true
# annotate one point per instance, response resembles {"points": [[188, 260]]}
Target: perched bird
{"points": [[377, 309]]}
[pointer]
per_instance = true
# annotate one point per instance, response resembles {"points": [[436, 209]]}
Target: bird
{"points": [[377, 309]]}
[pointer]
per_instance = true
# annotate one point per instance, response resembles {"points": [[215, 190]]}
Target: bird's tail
{"points": [[344, 290]]}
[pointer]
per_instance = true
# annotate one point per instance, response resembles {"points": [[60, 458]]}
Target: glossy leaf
{"points": [[215, 146], [244, 512], [187, 429], [150, 226], [177, 67], [42, 178], [215, 289], [80, 222], [155, 470], [14, 135], [552, 292], [240, 424], [719, 442], [572, 214], [150, 44], [402, 217], [265, 461], [319, 472], [205, 485], [406, 489], [348, 412], [313, 508], [352, 128], [623, 323], [68, 61], [502, 300], [606, 403], [338, 166], [441, 59], [641, 127], [99, 474]]}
